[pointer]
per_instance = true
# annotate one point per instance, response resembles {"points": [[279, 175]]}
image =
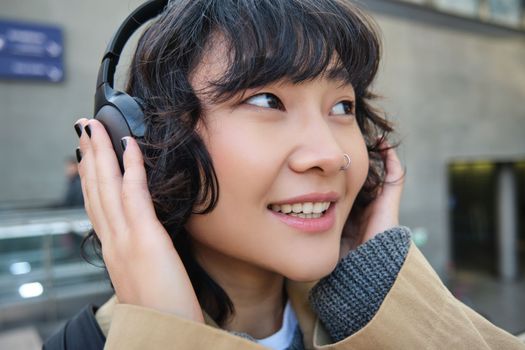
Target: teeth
{"points": [[308, 207], [303, 210], [319, 207], [286, 208]]}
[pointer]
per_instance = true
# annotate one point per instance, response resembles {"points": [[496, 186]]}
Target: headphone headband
{"points": [[137, 18], [121, 114]]}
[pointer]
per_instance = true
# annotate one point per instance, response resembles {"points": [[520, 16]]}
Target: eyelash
{"points": [[279, 105], [349, 110]]}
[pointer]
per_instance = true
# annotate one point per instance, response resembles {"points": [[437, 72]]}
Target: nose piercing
{"points": [[347, 162]]}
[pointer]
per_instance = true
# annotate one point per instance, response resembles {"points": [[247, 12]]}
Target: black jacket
{"points": [[82, 332]]}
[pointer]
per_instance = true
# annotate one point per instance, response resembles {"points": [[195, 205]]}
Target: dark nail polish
{"points": [[123, 143], [78, 129], [79, 155], [88, 130]]}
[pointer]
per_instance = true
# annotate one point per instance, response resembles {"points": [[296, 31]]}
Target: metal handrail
{"points": [[79, 226], [62, 278]]}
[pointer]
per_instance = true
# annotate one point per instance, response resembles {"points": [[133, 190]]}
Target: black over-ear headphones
{"points": [[120, 113]]}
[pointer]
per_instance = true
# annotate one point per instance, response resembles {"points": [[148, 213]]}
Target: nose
{"points": [[317, 150]]}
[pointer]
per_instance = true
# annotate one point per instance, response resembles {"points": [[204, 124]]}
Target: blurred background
{"points": [[452, 79]]}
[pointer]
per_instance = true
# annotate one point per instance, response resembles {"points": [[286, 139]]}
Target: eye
{"points": [[265, 100], [343, 108]]}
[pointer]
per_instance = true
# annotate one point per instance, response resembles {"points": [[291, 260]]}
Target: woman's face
{"points": [[279, 149]]}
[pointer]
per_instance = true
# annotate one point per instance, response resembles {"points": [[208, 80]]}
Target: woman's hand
{"points": [[383, 212], [143, 265]]}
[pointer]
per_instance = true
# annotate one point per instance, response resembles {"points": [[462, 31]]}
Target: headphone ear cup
{"points": [[116, 127], [122, 115]]}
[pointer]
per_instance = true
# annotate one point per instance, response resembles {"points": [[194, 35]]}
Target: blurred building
{"points": [[453, 80], [453, 76]]}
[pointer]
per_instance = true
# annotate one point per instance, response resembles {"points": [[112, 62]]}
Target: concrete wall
{"points": [[455, 88], [36, 119]]}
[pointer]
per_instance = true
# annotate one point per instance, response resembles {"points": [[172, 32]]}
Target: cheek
{"points": [[245, 165], [248, 161], [358, 170], [353, 143]]}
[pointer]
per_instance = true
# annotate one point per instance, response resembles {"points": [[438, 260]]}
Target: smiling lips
{"points": [[307, 210], [310, 213]]}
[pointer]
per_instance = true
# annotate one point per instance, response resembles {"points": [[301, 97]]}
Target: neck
{"points": [[257, 294]]}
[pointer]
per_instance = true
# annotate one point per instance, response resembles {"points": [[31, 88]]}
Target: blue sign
{"points": [[31, 51]]}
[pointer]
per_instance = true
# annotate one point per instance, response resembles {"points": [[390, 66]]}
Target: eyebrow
{"points": [[340, 74]]}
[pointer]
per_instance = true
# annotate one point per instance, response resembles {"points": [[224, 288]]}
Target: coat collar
{"points": [[297, 294]]}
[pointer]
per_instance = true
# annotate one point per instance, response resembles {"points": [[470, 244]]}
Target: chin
{"points": [[309, 268]]}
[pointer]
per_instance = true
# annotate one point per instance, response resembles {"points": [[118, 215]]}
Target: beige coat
{"points": [[418, 313]]}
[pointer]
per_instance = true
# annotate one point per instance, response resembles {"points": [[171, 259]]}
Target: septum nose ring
{"points": [[347, 162]]}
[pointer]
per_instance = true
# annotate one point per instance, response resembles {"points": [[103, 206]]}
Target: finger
{"points": [[88, 177], [394, 178], [393, 168], [84, 194], [136, 198], [109, 178], [79, 129], [82, 168]]}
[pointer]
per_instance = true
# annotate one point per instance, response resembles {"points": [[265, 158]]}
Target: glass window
{"points": [[463, 7], [422, 2], [506, 11]]}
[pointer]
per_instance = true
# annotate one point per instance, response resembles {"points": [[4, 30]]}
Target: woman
{"points": [[263, 168]]}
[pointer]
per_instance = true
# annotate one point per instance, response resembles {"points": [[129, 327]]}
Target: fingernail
{"points": [[78, 129], [88, 130], [79, 154], [124, 143]]}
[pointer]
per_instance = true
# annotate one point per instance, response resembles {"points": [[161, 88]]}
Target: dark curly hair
{"points": [[267, 40]]}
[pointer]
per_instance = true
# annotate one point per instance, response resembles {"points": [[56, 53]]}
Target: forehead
{"points": [[229, 46], [213, 64], [217, 68]]}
